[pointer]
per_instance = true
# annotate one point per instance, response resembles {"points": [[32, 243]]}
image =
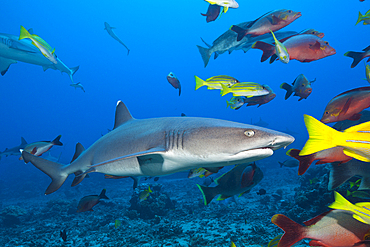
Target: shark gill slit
{"points": [[174, 139]]}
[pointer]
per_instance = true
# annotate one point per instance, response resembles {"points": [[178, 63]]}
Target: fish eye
{"points": [[326, 112], [249, 133], [326, 42], [289, 11], [313, 32]]}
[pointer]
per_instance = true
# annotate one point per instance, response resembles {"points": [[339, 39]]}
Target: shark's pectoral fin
{"points": [[156, 150], [5, 64]]}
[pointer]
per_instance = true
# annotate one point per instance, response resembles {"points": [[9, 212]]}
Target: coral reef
{"points": [[12, 215], [157, 203]]}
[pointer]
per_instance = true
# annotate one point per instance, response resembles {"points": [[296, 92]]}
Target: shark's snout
{"points": [[281, 141]]}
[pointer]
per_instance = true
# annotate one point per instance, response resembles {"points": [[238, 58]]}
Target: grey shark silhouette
{"points": [[161, 146], [14, 150], [13, 50], [114, 36]]}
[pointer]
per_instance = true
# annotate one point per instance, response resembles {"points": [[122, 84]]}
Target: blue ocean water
{"points": [[162, 37]]}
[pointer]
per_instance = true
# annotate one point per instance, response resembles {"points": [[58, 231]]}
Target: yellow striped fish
{"points": [[215, 81], [41, 44], [355, 140], [247, 89]]}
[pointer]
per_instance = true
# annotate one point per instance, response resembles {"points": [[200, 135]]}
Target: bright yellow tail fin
{"points": [[321, 136], [225, 90], [341, 203], [198, 82], [24, 34]]}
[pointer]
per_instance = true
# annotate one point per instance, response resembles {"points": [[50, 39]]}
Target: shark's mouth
{"points": [[262, 152]]}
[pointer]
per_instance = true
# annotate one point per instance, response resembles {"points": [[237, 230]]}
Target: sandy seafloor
{"points": [[189, 223]]}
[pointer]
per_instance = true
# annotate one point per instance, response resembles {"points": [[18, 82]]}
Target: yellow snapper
{"points": [[144, 194], [355, 140], [247, 89], [41, 44], [215, 81], [365, 18], [361, 210], [280, 50]]}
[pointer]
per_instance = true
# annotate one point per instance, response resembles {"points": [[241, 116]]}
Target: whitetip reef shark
{"points": [[14, 150], [162, 146], [13, 50]]}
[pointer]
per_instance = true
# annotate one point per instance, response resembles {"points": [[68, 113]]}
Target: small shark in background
{"points": [[114, 36], [260, 123], [13, 50], [135, 148], [15, 150], [78, 85]]}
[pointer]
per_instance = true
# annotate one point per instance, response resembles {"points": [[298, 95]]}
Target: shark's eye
{"points": [[249, 133]]}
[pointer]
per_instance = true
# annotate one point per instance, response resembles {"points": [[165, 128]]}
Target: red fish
{"points": [[347, 105], [326, 156], [88, 202], [260, 100], [273, 20], [212, 12], [358, 56], [38, 148], [172, 79], [336, 228], [304, 48]]}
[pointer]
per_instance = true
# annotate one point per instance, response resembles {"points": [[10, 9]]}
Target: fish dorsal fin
{"points": [[313, 221], [78, 151], [23, 141], [353, 90], [122, 114]]}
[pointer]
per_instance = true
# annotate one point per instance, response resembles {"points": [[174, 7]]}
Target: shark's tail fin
{"points": [[53, 169], [24, 34]]}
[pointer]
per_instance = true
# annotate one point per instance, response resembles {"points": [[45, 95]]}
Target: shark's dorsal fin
{"points": [[122, 114], [79, 149], [23, 141]]}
